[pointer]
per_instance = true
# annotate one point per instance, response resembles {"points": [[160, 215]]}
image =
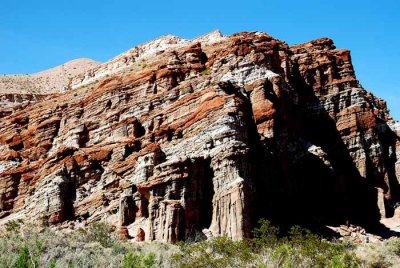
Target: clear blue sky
{"points": [[39, 34]]}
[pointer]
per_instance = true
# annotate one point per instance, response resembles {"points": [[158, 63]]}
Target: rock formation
{"points": [[176, 137]]}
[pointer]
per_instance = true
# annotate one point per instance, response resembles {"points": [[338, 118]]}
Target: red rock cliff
{"points": [[178, 136]]}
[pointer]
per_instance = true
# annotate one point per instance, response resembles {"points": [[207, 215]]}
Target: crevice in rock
{"points": [[108, 105], [199, 194], [203, 58], [144, 206], [227, 87], [132, 148], [170, 134], [8, 194], [128, 210], [68, 193], [139, 130], [83, 137], [17, 146], [270, 93], [207, 192]]}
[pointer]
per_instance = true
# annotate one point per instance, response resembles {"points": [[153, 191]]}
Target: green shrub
{"points": [[266, 234], [300, 248], [218, 252], [139, 260], [53, 263], [13, 226], [303, 247], [25, 259], [95, 247]]}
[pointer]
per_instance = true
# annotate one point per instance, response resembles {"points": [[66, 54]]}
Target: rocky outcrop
{"points": [[356, 234], [177, 137]]}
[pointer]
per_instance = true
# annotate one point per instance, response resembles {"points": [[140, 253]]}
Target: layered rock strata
{"points": [[179, 137]]}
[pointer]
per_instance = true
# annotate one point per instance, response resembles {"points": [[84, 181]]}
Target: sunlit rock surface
{"points": [[178, 137]]}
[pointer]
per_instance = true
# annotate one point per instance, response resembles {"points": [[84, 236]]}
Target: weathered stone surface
{"points": [[356, 234], [182, 136]]}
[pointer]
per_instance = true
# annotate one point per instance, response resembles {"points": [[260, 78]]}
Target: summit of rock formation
{"points": [[179, 136]]}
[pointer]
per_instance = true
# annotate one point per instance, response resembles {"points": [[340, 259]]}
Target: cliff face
{"points": [[177, 136]]}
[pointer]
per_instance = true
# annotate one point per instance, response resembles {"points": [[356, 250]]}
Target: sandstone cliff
{"points": [[177, 136]]}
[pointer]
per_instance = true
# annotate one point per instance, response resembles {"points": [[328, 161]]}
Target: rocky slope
{"points": [[178, 136], [54, 80], [18, 91]]}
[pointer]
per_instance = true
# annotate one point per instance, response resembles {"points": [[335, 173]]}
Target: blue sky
{"points": [[39, 34]]}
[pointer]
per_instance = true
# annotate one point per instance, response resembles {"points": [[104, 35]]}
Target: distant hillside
{"points": [[53, 80]]}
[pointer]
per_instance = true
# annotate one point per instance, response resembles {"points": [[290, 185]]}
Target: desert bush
{"points": [[394, 246], [269, 247], [218, 252], [13, 226], [302, 248], [266, 234], [139, 260], [299, 248], [26, 258], [98, 232], [94, 247], [381, 254]]}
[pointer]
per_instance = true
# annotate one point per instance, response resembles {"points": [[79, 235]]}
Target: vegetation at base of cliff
{"points": [[25, 247], [97, 247], [299, 248]]}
